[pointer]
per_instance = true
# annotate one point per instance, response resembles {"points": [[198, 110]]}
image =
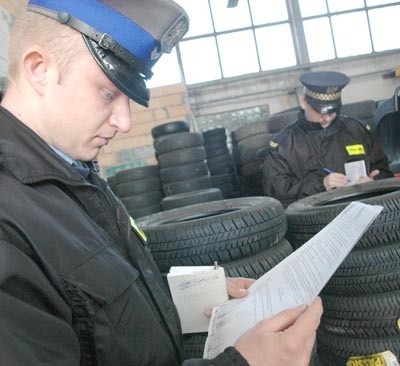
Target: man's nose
{"points": [[121, 116], [328, 117]]}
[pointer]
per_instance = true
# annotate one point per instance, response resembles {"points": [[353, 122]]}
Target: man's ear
{"points": [[303, 101], [35, 67]]}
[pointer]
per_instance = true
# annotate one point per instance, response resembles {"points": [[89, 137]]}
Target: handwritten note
{"points": [[194, 289]]}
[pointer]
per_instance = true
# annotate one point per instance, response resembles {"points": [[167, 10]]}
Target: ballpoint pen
{"points": [[327, 170]]}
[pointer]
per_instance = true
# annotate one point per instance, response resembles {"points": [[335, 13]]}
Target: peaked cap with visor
{"points": [[126, 37], [323, 90]]}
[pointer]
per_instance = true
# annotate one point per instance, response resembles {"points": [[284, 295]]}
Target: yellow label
{"points": [[355, 150], [385, 358], [273, 144], [138, 230]]}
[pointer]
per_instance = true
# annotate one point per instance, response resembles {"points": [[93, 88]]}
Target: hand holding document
{"points": [[298, 279], [195, 289]]}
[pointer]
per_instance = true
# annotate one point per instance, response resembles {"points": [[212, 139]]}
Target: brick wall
{"points": [[135, 148]]}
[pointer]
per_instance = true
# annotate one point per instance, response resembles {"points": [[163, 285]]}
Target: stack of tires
{"points": [[244, 235], [140, 190], [184, 172], [220, 163], [248, 146], [360, 323]]}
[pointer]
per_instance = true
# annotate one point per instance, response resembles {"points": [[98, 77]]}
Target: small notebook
{"points": [[194, 289]]}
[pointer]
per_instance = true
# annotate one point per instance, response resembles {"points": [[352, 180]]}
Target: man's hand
{"points": [[370, 178], [284, 339], [335, 180], [237, 287]]}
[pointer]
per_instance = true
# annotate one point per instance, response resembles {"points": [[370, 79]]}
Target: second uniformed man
{"points": [[309, 156]]}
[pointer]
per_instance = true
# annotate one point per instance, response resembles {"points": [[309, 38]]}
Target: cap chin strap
{"points": [[104, 40]]}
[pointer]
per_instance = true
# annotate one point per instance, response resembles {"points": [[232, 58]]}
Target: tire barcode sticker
{"points": [[386, 358]]}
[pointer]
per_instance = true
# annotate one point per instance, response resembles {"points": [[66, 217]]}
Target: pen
{"points": [[326, 170]]}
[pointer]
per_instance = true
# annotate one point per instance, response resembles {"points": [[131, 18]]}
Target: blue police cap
{"points": [[126, 37], [322, 90]]}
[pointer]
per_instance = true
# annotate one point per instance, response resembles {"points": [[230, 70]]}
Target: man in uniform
{"points": [[310, 155], [78, 286]]}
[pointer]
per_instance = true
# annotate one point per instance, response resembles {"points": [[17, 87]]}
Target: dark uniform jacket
{"points": [[77, 285], [295, 161]]}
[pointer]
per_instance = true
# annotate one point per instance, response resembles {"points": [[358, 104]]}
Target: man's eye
{"points": [[108, 95]]}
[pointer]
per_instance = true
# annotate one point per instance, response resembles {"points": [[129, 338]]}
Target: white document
{"points": [[298, 279], [355, 170], [194, 289]]}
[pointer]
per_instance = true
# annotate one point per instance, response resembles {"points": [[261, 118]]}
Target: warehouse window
{"points": [[263, 35]]}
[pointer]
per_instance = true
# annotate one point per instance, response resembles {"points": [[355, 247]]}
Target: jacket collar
{"points": [[27, 157]]}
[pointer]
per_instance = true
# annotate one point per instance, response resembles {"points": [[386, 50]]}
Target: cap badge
{"points": [[174, 34], [332, 89]]}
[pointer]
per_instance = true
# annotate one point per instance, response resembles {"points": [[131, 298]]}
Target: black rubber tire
{"points": [[142, 200], [215, 132], [138, 186], [309, 215], [254, 142], [191, 198], [368, 316], [187, 185], [250, 129], [177, 141], [184, 172], [143, 172], [144, 211], [182, 156], [170, 127], [367, 271], [219, 231], [335, 350], [257, 265], [193, 345]]}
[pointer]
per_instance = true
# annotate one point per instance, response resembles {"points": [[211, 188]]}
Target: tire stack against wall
{"points": [[248, 146], [362, 299], [140, 190], [220, 163], [184, 172], [244, 235]]}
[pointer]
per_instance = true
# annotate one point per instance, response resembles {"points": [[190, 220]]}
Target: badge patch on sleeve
{"points": [[355, 149]]}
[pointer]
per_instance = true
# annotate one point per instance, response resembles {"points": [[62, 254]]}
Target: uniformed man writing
{"points": [[310, 155]]}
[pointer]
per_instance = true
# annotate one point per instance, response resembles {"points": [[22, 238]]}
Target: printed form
{"points": [[296, 280]]}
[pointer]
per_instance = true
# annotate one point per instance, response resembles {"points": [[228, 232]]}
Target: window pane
{"points": [[341, 5], [384, 30], [166, 71], [200, 60], [238, 53], [319, 39], [275, 46], [380, 2], [199, 15], [312, 7], [351, 34], [268, 11], [230, 18]]}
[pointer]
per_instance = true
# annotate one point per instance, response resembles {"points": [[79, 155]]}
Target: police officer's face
{"points": [[87, 110], [324, 119]]}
